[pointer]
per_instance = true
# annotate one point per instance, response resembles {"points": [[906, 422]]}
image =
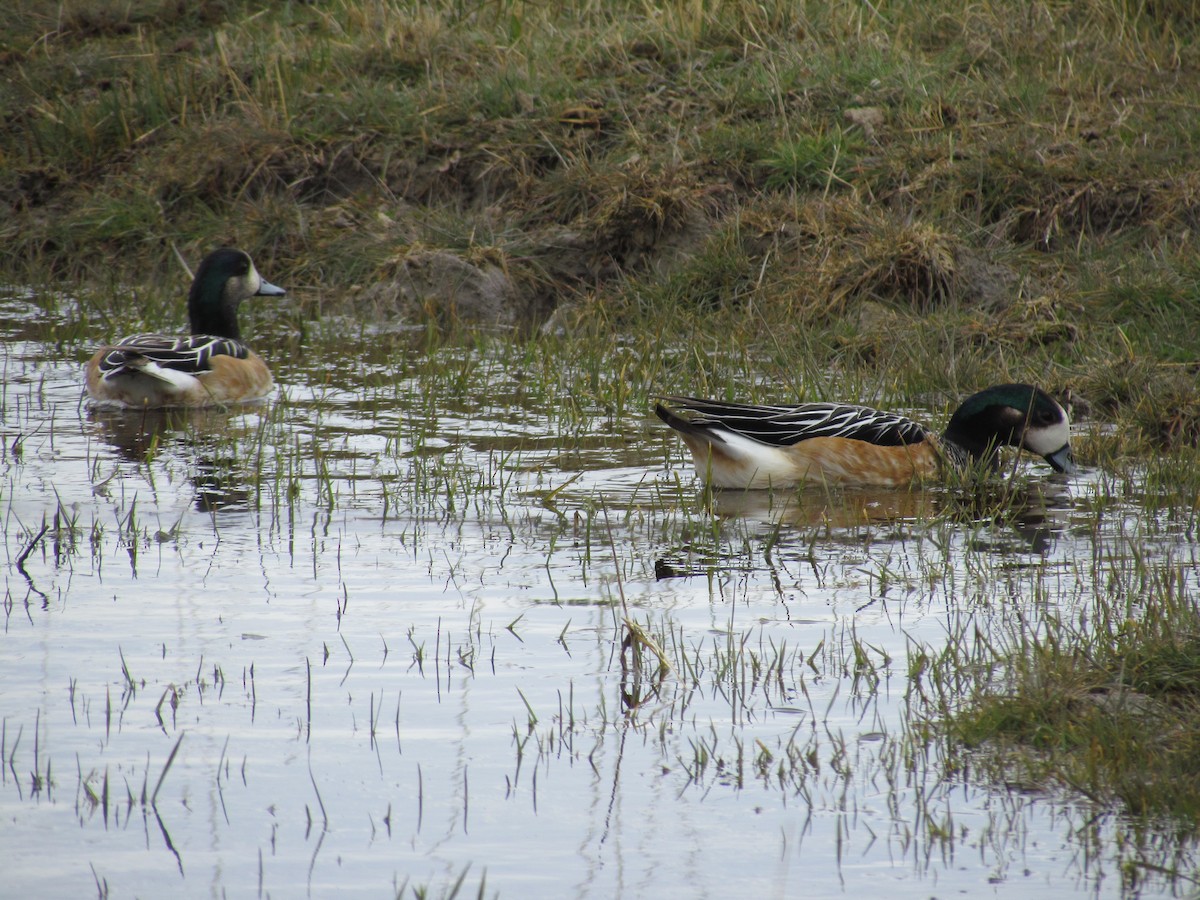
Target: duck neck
{"points": [[210, 313], [966, 450]]}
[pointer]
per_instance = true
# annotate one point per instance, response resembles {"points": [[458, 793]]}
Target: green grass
{"points": [[1108, 709]]}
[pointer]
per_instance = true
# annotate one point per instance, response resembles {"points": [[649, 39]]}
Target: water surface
{"points": [[368, 637]]}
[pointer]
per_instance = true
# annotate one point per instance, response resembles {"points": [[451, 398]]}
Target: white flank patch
{"points": [[176, 382], [753, 465]]}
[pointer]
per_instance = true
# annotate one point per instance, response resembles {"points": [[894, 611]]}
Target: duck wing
{"points": [[785, 426], [190, 354]]}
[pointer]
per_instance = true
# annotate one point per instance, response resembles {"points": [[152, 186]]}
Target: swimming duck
{"points": [[211, 366], [742, 446]]}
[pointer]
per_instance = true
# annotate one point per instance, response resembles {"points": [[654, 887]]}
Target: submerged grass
{"points": [[1105, 705], [439, 434]]}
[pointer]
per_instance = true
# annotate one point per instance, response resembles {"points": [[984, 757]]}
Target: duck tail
{"points": [[685, 426]]}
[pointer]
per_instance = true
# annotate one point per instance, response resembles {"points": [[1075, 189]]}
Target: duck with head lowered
{"points": [[209, 367], [736, 445]]}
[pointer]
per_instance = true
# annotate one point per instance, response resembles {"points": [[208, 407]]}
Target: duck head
{"points": [[1017, 415], [226, 277]]}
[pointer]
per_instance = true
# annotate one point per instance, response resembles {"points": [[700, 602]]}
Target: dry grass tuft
{"points": [[844, 253]]}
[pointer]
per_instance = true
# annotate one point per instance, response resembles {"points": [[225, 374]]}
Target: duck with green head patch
{"points": [[209, 367], [736, 445]]}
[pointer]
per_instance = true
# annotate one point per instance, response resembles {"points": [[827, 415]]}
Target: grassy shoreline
{"points": [[1012, 190]]}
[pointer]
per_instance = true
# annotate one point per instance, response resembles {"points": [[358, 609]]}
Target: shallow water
{"points": [[369, 635]]}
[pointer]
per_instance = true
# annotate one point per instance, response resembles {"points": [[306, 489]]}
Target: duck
{"points": [[208, 367], [738, 445]]}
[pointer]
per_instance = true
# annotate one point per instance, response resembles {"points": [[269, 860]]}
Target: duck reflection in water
{"points": [[198, 438], [1022, 517]]}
